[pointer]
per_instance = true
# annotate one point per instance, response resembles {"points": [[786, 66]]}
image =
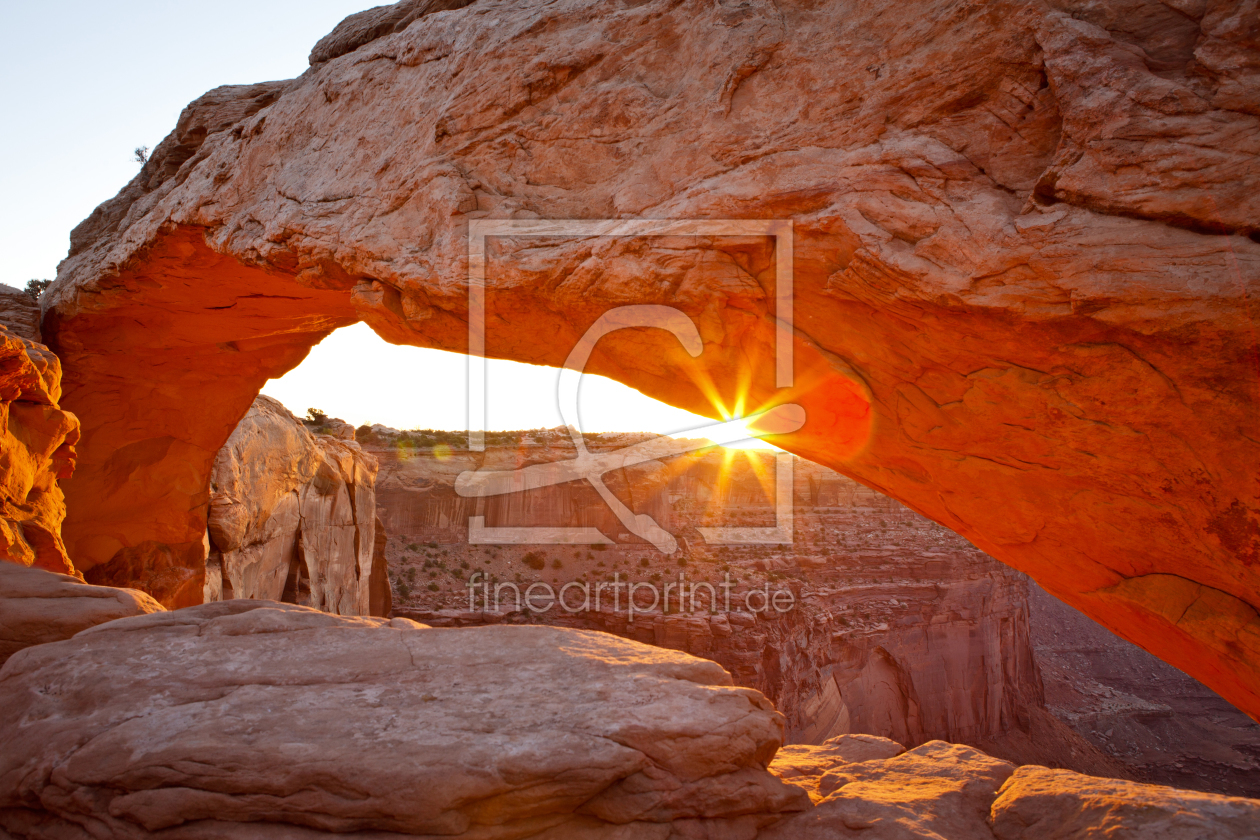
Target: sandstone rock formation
{"points": [[38, 607], [806, 764], [297, 723], [20, 313], [37, 441], [1040, 804], [871, 789], [293, 518], [936, 790], [1024, 260]]}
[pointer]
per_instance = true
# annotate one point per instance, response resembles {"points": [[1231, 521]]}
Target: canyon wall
{"points": [[1164, 726], [1023, 253], [293, 518], [899, 628]]}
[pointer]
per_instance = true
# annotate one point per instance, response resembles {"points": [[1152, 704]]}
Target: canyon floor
{"points": [[891, 614]]}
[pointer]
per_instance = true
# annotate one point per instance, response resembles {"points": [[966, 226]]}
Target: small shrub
{"points": [[644, 562], [35, 288], [535, 561], [682, 561], [556, 564], [404, 591], [433, 587]]}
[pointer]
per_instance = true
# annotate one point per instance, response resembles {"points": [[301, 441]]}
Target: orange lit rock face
{"points": [[293, 518], [1024, 250], [37, 443]]}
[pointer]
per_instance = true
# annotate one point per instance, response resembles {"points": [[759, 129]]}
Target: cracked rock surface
{"points": [[193, 722]]}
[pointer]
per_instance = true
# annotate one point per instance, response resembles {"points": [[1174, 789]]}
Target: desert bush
{"points": [[535, 561]]}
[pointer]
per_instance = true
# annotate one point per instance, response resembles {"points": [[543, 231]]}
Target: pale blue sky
{"points": [[87, 82]]}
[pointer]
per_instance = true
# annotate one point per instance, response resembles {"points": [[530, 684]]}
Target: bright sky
{"points": [[411, 387], [87, 82]]}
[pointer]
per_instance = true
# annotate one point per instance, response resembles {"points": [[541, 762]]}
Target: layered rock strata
{"points": [[293, 518], [1024, 263], [37, 607]]}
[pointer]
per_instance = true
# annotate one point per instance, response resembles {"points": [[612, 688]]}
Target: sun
{"points": [[738, 433]]}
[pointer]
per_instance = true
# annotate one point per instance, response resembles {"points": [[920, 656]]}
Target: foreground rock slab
{"points": [[868, 788], [37, 607], [1038, 803], [195, 722]]}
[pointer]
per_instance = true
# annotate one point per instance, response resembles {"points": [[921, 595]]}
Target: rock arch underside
{"points": [[1026, 242]]}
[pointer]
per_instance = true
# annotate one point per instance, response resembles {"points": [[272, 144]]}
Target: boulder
{"points": [[37, 607], [937, 790], [806, 764], [293, 518], [284, 722], [1024, 252], [1038, 803], [863, 789]]}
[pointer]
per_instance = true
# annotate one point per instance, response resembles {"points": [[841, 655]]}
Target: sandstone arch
{"points": [[1026, 285]]}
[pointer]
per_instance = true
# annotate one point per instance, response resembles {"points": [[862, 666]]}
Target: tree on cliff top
{"points": [[35, 288]]}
